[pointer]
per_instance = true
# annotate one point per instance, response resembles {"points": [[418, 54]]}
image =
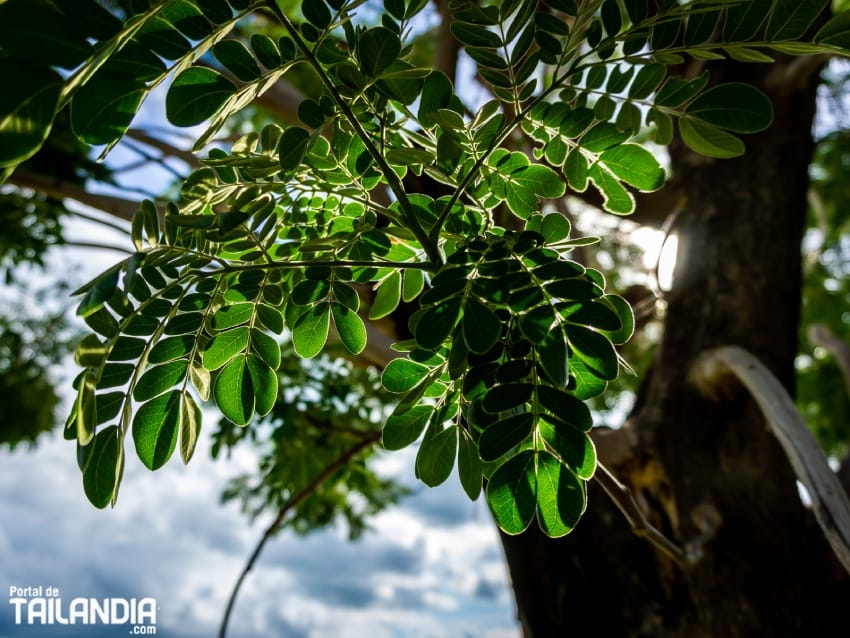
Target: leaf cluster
{"points": [[299, 234]]}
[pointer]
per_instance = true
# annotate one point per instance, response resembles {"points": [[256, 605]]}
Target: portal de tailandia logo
{"points": [[44, 605]]}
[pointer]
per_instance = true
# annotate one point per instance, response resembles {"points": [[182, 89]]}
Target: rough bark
{"points": [[709, 474]]}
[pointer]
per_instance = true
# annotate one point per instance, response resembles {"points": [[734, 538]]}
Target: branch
{"points": [[711, 373], [626, 503], [163, 147], [115, 206], [822, 336], [344, 458]]}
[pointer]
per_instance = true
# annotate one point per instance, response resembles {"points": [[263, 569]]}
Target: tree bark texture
{"points": [[709, 474]]}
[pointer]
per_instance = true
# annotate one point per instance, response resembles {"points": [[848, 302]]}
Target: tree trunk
{"points": [[709, 475]]}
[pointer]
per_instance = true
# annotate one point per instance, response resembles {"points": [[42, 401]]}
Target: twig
{"points": [[625, 502], [829, 500], [344, 458], [822, 336], [98, 246]]}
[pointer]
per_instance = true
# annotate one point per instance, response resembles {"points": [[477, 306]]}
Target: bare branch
{"points": [[626, 503], [822, 336], [345, 457], [164, 147], [98, 246], [712, 374]]}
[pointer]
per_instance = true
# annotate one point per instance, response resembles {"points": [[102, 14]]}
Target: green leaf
{"points": [[413, 282], [627, 319], [99, 291], [190, 426], [634, 165], [481, 327], [709, 140], [573, 446], [436, 323], [540, 180], [196, 95], [501, 437], [507, 397], [743, 19], [266, 50], [474, 35], [293, 145], [836, 32], [310, 331], [158, 379], [553, 358], [400, 375], [734, 106], [264, 383], [469, 467], [595, 350], [155, 429], [310, 291], [388, 296], [238, 60], [317, 13], [403, 429], [104, 107], [224, 346], [103, 467], [512, 493], [86, 408], [565, 406], [436, 457], [232, 315], [575, 170], [377, 49], [561, 498], [350, 328], [27, 106], [234, 391], [616, 199], [266, 347]]}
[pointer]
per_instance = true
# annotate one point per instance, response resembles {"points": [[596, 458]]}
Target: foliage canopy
{"points": [[390, 183]]}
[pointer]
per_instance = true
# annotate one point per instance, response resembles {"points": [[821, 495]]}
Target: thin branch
{"points": [[711, 373], [163, 147], [98, 246], [625, 502], [822, 336], [345, 457], [124, 230]]}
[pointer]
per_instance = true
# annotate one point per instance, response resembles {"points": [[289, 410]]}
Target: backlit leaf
{"points": [[512, 493], [155, 429], [196, 95]]}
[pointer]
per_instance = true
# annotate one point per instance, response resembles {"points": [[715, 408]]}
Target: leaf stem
{"points": [[429, 244], [333, 263]]}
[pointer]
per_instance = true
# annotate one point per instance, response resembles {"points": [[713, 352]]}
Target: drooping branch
{"points": [[712, 374]]}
